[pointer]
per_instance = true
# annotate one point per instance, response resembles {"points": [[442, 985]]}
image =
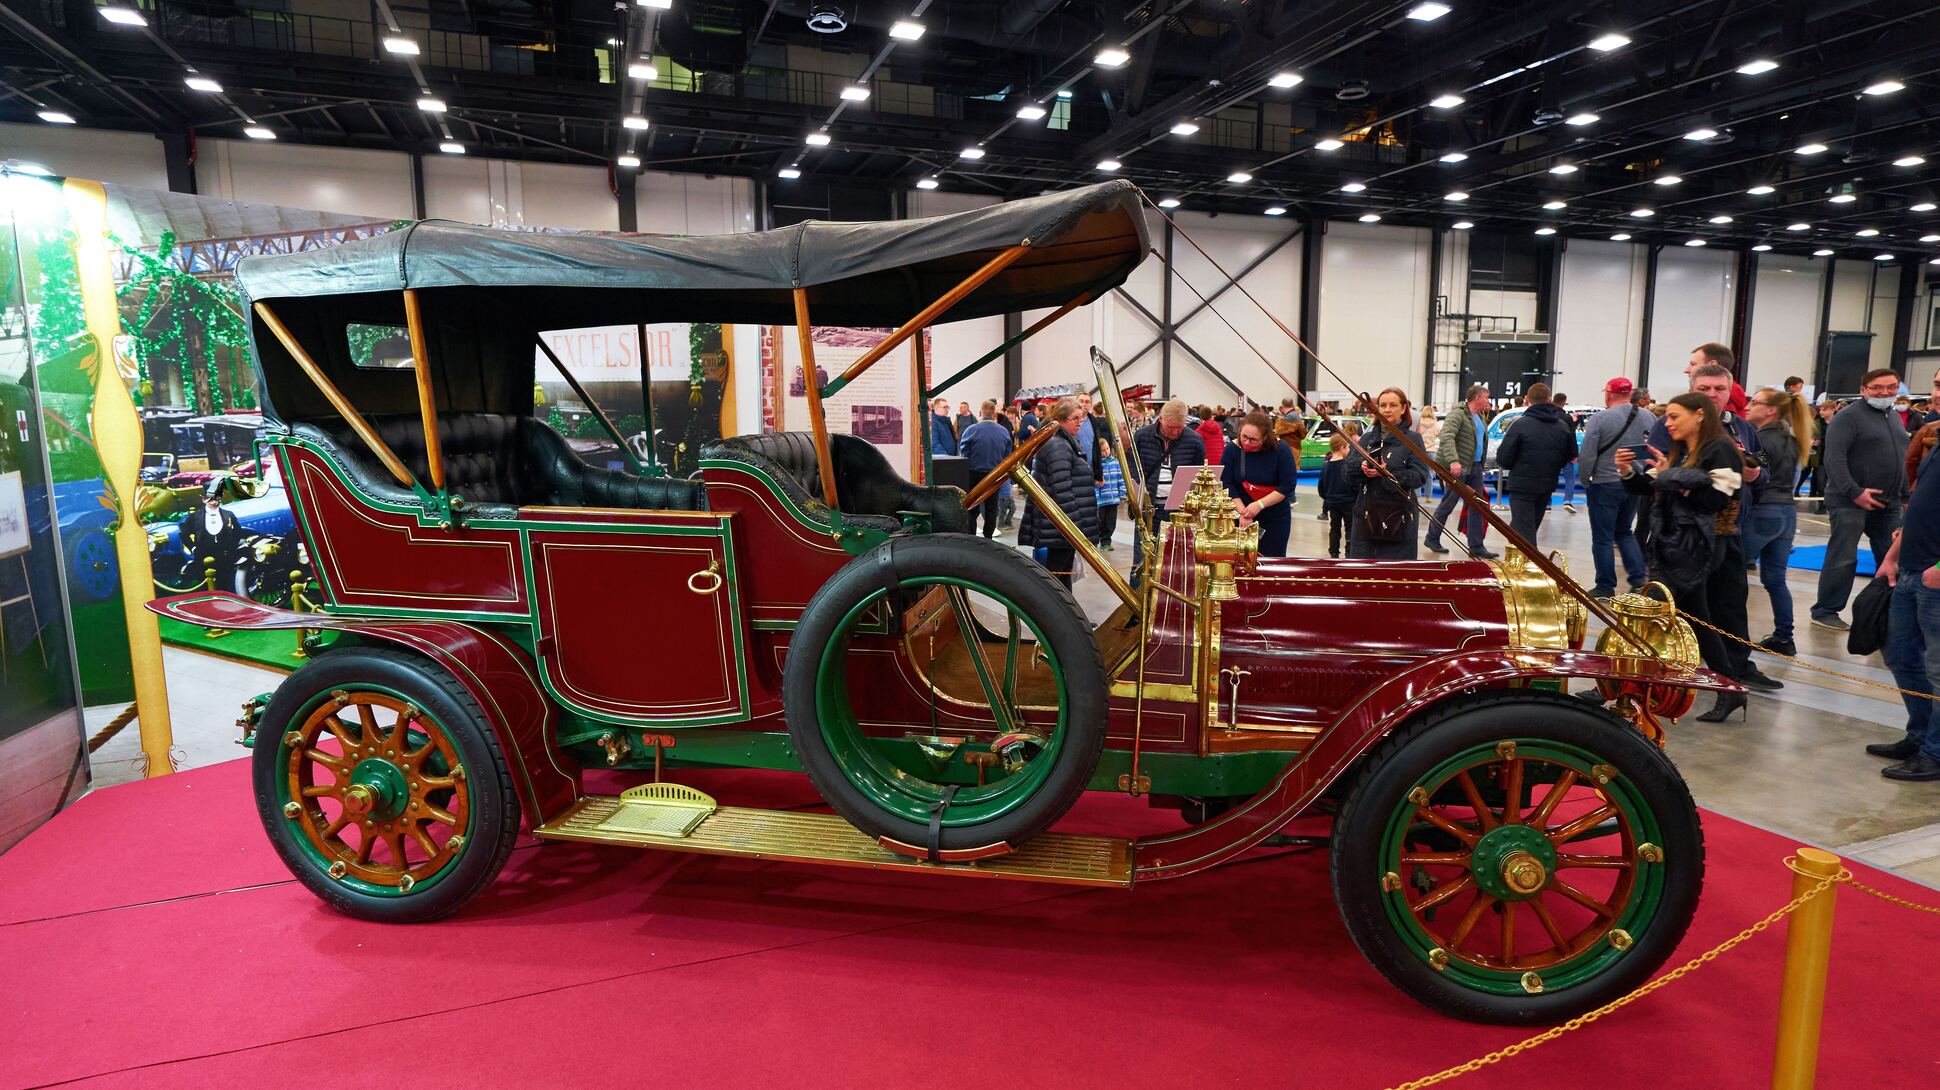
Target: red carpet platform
{"points": [[150, 938]]}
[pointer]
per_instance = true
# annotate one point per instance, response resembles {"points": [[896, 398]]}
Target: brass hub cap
{"points": [[1523, 873]]}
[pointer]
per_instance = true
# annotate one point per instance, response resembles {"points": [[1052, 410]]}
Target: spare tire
{"points": [[1034, 761]]}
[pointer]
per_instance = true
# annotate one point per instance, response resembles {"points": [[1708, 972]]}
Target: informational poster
{"points": [[13, 515], [875, 407]]}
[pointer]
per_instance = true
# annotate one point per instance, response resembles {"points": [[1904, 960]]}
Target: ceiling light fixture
{"points": [[1909, 160], [627, 162], [1354, 187], [1461, 225], [816, 140], [452, 147], [1428, 12], [1761, 247], [1822, 253], [1701, 133], [1810, 149], [1798, 227], [1184, 128], [1581, 119], [1030, 112], [1867, 232], [972, 152], [1370, 217], [1283, 80], [1719, 220], [1109, 165], [646, 71], [1604, 43], [1694, 242], [1882, 257], [432, 105], [1642, 213], [1760, 191], [1564, 168], [1065, 94], [1923, 206], [1555, 206], [1930, 238], [1884, 87], [1111, 57], [1446, 102], [788, 173], [1328, 144], [1238, 177], [1455, 157], [926, 183], [1666, 179], [403, 47], [123, 16], [1545, 230], [257, 132], [1843, 198], [1757, 67], [906, 30], [855, 92], [1276, 210], [662, 5], [1455, 195], [1169, 202], [639, 124], [1620, 236], [56, 117], [203, 84]]}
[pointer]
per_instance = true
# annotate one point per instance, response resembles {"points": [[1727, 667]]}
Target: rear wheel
{"points": [[1518, 858], [382, 787], [999, 642]]}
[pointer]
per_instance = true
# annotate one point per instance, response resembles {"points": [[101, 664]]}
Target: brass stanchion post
{"points": [[1808, 949]]}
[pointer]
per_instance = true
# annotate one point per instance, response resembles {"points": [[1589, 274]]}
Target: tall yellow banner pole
{"points": [[118, 440], [1808, 950]]}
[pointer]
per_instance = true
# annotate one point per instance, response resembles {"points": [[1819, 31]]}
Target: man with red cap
{"points": [[1613, 509]]}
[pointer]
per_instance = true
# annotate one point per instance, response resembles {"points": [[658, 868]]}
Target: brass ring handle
{"points": [[699, 581]]}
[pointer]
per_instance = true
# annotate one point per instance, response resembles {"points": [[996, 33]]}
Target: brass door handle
{"points": [[707, 580]]}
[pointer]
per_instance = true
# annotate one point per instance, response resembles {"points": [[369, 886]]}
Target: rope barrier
{"points": [[1796, 661], [1843, 877]]}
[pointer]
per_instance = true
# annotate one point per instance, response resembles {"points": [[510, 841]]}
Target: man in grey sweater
{"points": [[1613, 509], [1864, 463]]}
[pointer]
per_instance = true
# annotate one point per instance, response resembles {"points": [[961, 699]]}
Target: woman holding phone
{"points": [[1695, 490], [1784, 421], [1384, 526]]}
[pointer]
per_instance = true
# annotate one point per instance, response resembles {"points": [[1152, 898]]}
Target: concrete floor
{"points": [[1794, 765]]}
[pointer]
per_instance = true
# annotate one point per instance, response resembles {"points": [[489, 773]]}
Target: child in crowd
{"points": [[1336, 494]]}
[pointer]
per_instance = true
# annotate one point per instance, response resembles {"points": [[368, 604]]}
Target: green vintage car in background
{"points": [[1313, 449]]}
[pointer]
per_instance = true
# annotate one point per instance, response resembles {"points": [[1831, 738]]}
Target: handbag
{"points": [[1870, 611], [1384, 514]]}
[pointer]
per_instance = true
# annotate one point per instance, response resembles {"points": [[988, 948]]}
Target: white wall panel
{"points": [[459, 187], [693, 204], [1374, 306], [1235, 242], [924, 203], [557, 195], [346, 180], [1694, 296], [1886, 305], [1599, 317], [1784, 320], [1852, 282], [124, 158], [952, 346]]}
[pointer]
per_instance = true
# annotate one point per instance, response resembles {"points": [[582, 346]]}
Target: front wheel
{"points": [[1518, 858], [382, 786]]}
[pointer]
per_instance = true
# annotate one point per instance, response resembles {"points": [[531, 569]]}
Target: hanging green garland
{"points": [[175, 305]]}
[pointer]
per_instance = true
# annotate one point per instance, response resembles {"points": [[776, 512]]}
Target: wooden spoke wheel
{"points": [[381, 785], [1512, 858]]}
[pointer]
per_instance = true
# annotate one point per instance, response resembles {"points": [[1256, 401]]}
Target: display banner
{"points": [[875, 407], [611, 353]]}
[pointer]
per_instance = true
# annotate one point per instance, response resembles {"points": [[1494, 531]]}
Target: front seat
{"points": [[865, 482]]}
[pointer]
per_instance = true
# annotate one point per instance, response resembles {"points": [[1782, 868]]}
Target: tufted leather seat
{"points": [[499, 461], [865, 482]]}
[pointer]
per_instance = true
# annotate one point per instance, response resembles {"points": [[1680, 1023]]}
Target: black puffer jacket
{"points": [[1065, 473], [1536, 449], [1155, 451]]}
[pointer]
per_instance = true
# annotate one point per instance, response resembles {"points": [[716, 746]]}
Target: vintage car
{"points": [[508, 616]]}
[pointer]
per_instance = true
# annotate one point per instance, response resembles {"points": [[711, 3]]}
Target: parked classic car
{"points": [[1501, 851]]}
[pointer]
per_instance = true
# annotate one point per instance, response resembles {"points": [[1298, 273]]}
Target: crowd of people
{"points": [[1692, 493]]}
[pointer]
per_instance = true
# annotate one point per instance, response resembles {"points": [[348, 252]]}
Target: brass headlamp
{"points": [[1219, 542]]}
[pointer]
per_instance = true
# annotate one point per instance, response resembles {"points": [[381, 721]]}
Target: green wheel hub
{"points": [[1513, 862], [377, 791]]}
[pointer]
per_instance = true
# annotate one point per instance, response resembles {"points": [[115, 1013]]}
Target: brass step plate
{"points": [[1061, 858]]}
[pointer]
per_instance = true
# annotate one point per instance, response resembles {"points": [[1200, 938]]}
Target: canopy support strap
{"points": [[434, 451], [1080, 300], [928, 314], [824, 457], [626, 450], [337, 400]]}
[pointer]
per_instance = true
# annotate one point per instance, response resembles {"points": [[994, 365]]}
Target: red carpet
{"points": [[590, 966]]}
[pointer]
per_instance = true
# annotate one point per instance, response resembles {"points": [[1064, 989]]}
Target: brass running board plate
{"points": [[826, 838], [659, 810]]}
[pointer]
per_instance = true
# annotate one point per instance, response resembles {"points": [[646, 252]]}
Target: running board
{"points": [[793, 837]]}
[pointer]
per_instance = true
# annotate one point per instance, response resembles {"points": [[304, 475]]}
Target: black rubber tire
{"points": [[494, 804], [1049, 605], [1484, 718]]}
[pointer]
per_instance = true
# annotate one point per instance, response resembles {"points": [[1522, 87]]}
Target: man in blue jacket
{"points": [[984, 444], [943, 430]]}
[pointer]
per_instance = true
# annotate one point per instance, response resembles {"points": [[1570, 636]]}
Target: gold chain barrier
{"points": [[1816, 874], [1799, 662]]}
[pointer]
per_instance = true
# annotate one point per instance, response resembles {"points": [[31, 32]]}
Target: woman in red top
{"points": [[1212, 433]]}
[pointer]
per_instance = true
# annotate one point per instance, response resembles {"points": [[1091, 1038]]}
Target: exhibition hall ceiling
{"points": [[1803, 126]]}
